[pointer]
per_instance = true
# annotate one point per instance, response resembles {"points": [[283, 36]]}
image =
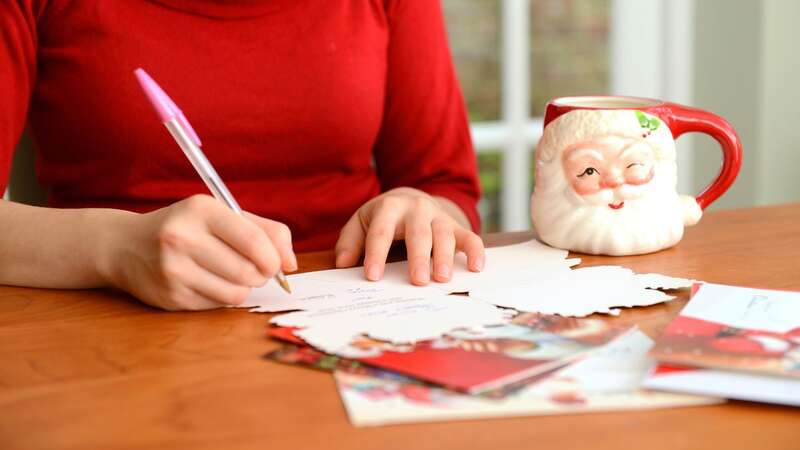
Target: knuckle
{"points": [[474, 240], [390, 203], [244, 273], [380, 231], [171, 235], [442, 226], [254, 241], [423, 205], [170, 271], [419, 260], [283, 232], [418, 234], [198, 202]]}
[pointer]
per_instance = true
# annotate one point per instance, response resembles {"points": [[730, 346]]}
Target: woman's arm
{"points": [[194, 254], [56, 248]]}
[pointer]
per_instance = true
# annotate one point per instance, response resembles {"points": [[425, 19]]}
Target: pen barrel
{"points": [[202, 165]]}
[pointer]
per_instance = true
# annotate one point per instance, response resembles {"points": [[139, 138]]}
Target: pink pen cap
{"points": [[163, 105]]}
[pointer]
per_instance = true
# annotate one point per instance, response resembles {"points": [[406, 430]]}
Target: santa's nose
{"points": [[611, 182]]}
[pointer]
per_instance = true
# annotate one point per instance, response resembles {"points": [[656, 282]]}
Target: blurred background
{"points": [[736, 58]]}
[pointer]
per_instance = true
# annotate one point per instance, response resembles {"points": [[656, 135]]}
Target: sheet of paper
{"points": [[580, 292], [318, 294], [503, 264], [395, 315], [733, 385], [757, 309], [606, 381]]}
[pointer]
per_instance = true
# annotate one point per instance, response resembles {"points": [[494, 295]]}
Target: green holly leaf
{"points": [[644, 122], [650, 123]]}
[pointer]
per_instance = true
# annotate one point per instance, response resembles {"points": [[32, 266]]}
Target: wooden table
{"points": [[96, 370]]}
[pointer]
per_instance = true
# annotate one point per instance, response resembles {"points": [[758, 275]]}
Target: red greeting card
{"points": [[473, 362], [733, 328]]}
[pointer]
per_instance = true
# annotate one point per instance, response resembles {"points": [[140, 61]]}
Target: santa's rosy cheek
{"points": [[588, 186], [637, 175]]}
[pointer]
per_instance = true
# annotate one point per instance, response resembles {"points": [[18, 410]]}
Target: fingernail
{"points": [[443, 271], [479, 264], [422, 274], [293, 263], [373, 272]]}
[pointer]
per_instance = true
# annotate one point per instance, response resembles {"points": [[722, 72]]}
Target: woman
{"points": [[341, 121]]}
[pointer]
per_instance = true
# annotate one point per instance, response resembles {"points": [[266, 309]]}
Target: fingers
{"points": [[247, 238], [419, 243], [381, 234], [471, 244], [188, 286], [351, 243], [209, 286], [444, 249], [281, 238], [218, 258]]}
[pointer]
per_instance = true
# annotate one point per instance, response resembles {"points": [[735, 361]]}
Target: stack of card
{"points": [[511, 339], [537, 364], [733, 342]]}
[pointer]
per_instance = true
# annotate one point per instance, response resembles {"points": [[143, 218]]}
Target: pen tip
{"points": [[281, 279]]}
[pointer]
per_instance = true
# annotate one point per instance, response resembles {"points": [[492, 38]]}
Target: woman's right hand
{"points": [[197, 254]]}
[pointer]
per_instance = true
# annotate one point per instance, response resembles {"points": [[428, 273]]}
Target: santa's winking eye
{"points": [[589, 171], [634, 164]]}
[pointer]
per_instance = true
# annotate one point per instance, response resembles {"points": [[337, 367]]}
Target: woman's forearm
{"points": [[56, 248]]}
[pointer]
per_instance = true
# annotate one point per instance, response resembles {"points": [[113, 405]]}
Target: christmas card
{"points": [[737, 329], [485, 359], [606, 380]]}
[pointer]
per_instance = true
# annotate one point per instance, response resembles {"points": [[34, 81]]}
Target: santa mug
{"points": [[606, 174]]}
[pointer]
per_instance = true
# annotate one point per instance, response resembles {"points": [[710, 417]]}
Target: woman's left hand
{"points": [[429, 225]]}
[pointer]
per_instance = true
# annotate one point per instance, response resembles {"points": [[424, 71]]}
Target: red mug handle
{"points": [[683, 119]]}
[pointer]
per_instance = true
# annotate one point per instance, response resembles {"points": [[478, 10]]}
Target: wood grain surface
{"points": [[97, 370]]}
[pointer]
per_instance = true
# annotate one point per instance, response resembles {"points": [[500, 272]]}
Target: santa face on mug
{"points": [[606, 184]]}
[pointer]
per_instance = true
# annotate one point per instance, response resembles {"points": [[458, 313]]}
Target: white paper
{"points": [[335, 306], [734, 385], [315, 294], [619, 366], [396, 316], [511, 262], [580, 292], [739, 307]]}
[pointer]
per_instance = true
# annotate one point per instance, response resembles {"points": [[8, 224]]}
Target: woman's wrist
{"points": [[113, 230]]}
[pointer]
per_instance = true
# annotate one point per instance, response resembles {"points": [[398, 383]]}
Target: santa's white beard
{"points": [[651, 219]]}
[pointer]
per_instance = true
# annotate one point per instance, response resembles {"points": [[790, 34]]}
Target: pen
{"points": [[183, 133]]}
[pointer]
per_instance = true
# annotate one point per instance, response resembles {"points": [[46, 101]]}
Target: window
{"points": [[512, 56]]}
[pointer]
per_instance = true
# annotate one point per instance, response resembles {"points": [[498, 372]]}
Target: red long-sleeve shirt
{"points": [[307, 108]]}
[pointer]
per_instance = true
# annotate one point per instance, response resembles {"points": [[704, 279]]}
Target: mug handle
{"points": [[684, 119]]}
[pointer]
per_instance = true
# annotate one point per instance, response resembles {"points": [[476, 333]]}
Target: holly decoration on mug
{"points": [[650, 124]]}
